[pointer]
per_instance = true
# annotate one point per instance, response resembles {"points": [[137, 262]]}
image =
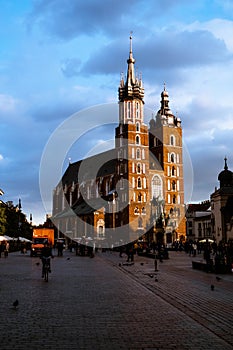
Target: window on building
{"points": [[139, 183], [128, 109], [138, 154], [139, 168], [157, 187], [173, 158], [139, 197], [137, 126], [172, 140], [136, 211], [137, 140], [137, 110]]}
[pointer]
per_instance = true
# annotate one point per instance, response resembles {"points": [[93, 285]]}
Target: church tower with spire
{"points": [[132, 145]]}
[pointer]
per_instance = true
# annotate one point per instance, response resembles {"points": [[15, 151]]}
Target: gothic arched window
{"points": [[157, 187], [137, 140], [172, 140]]}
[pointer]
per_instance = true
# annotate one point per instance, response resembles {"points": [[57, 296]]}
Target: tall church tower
{"points": [[132, 145], [166, 144]]}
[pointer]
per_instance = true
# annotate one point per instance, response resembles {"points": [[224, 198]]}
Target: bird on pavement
{"points": [[156, 279], [68, 259], [212, 287], [151, 276], [15, 304], [37, 263], [218, 278], [142, 263]]}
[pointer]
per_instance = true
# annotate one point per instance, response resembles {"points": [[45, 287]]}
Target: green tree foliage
{"points": [[2, 220], [13, 221]]}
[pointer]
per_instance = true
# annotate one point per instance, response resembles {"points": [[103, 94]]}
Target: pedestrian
{"points": [[6, 249], [130, 252], [194, 249]]}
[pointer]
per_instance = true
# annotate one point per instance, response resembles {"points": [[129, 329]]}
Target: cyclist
{"points": [[46, 252]]}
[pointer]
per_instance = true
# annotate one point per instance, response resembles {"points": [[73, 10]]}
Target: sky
{"points": [[63, 58]]}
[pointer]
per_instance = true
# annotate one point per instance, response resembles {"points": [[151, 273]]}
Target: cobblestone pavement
{"points": [[103, 303]]}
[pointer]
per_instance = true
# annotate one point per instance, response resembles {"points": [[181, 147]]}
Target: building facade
{"points": [[198, 222], [134, 190], [222, 207]]}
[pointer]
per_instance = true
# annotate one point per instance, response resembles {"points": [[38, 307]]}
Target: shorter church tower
{"points": [[165, 142]]}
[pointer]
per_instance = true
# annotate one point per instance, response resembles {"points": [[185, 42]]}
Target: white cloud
{"points": [[8, 103], [220, 28]]}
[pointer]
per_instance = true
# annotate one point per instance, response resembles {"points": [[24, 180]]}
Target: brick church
{"points": [[136, 189]]}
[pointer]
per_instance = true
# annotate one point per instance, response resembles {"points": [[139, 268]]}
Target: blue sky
{"points": [[61, 57]]}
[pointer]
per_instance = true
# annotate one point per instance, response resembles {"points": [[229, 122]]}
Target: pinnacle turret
{"points": [[133, 86]]}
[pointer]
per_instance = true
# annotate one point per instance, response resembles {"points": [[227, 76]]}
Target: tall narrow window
{"points": [[128, 109], [139, 183], [172, 140], [139, 197], [137, 110], [138, 154], [173, 158], [157, 187], [137, 127], [137, 140]]}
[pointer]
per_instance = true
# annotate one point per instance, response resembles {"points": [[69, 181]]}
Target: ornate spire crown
{"points": [[133, 87]]}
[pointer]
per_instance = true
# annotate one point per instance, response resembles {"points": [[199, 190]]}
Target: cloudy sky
{"points": [[60, 57]]}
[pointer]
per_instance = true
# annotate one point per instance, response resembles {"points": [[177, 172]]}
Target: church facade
{"points": [[134, 190], [222, 207]]}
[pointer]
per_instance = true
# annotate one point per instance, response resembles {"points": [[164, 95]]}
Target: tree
{"points": [[2, 219], [15, 223]]}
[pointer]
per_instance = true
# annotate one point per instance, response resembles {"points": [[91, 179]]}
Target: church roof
{"points": [[90, 168], [200, 207]]}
